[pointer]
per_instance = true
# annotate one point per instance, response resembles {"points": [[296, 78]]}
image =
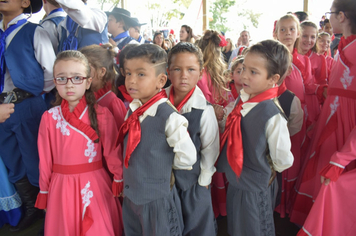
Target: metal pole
{"points": [[205, 15], [305, 7]]}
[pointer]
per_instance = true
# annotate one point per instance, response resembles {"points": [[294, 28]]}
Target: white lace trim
{"points": [[90, 152], [346, 78], [61, 123], [333, 107], [86, 195]]}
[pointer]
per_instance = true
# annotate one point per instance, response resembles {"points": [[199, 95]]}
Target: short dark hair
{"points": [[276, 54], [186, 47], [152, 53]]}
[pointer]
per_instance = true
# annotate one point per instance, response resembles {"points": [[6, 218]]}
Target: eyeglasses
{"points": [[64, 80], [328, 14]]}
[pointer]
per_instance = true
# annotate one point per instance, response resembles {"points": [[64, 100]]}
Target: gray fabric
{"points": [[197, 211], [186, 178], [157, 218], [249, 198], [148, 175]]}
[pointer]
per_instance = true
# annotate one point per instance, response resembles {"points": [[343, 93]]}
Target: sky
{"points": [[271, 10]]}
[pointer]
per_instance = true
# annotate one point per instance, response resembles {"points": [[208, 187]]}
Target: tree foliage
{"points": [[113, 3], [218, 10]]}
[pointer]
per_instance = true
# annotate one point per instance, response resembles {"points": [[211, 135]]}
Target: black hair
{"points": [[277, 56], [302, 16], [186, 47], [152, 53]]}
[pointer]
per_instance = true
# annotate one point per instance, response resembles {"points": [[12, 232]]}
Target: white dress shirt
{"points": [[277, 136], [209, 134], [176, 129]]}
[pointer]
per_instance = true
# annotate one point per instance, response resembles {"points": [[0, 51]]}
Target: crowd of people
{"points": [[104, 132]]}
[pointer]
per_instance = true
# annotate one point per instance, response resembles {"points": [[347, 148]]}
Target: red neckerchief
{"points": [[184, 101], [308, 53], [282, 88], [101, 92], [234, 91], [342, 44], [133, 127], [299, 64], [124, 93], [73, 118], [234, 149]]}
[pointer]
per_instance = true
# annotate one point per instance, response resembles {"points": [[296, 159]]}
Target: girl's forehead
{"points": [[287, 22]]}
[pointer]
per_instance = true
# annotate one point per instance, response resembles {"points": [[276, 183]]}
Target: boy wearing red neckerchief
{"points": [[185, 64], [255, 143], [156, 141]]}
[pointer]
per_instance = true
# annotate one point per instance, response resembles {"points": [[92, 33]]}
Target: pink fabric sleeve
{"points": [[309, 84], [108, 135], [45, 164], [341, 159], [118, 109], [203, 84]]}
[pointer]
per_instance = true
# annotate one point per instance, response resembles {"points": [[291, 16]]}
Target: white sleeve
{"points": [[52, 31], [295, 121], [209, 136], [279, 143], [86, 17], [233, 55], [178, 138], [45, 56]]}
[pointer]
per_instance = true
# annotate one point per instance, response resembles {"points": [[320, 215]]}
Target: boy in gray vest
{"points": [[255, 143], [185, 68], [155, 141]]}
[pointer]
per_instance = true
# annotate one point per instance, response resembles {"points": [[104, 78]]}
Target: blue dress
{"points": [[10, 202]]}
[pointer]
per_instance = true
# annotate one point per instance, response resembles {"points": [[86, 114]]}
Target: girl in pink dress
{"points": [[338, 116], [307, 46], [213, 85], [73, 138], [323, 46], [101, 60]]}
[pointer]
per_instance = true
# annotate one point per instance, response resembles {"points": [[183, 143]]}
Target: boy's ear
{"points": [[25, 3], [162, 79], [274, 79], [200, 74]]}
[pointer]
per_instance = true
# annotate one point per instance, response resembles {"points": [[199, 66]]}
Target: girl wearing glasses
{"points": [[73, 138], [334, 142]]}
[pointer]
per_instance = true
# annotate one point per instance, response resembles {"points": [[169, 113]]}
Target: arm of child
{"points": [[111, 152], [45, 164], [45, 56], [5, 111], [279, 142], [209, 136], [227, 110], [339, 160], [295, 121], [86, 17], [178, 138], [309, 83]]}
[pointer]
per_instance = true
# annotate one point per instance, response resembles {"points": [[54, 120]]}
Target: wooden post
{"points": [[205, 15], [123, 4], [305, 7]]}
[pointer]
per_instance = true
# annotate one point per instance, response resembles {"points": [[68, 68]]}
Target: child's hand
{"points": [[5, 111], [324, 180], [219, 112]]}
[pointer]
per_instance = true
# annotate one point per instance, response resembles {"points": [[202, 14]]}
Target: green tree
{"points": [[218, 9]]}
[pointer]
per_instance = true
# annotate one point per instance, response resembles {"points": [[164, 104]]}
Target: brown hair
{"points": [[188, 48], [287, 17], [213, 63], [89, 94], [277, 56], [101, 56], [308, 23], [349, 9], [163, 45], [238, 60], [190, 33]]}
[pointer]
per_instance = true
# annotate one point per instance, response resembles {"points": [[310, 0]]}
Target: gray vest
{"points": [[186, 178], [256, 171], [147, 177]]}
